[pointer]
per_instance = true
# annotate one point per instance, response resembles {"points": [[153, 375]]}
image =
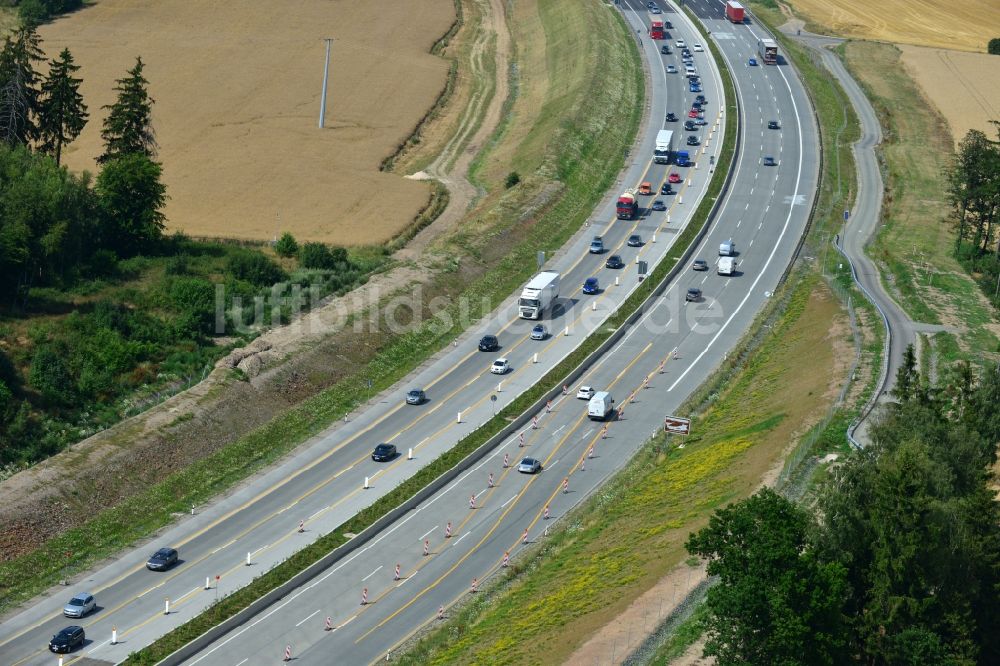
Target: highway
{"points": [[363, 607], [261, 523]]}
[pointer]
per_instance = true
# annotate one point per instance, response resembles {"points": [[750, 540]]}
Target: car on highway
{"points": [[635, 240], [692, 140], [384, 452], [416, 397], [693, 113], [614, 261], [500, 366], [529, 466], [671, 69], [67, 640], [671, 117], [696, 105], [665, 49], [693, 294], [539, 332], [162, 559], [773, 124], [585, 393], [686, 52], [489, 343], [674, 177], [752, 62], [697, 47], [769, 161], [591, 286], [80, 605], [655, 10], [701, 120], [690, 125], [597, 245], [694, 87], [666, 189], [700, 265], [659, 205], [679, 43], [700, 99]]}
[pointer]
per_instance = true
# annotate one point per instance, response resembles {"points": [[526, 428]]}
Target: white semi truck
{"points": [[664, 144], [538, 294]]}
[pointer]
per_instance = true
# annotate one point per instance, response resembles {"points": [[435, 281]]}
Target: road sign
{"points": [[676, 425]]}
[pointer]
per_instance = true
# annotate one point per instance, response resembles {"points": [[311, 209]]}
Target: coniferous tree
{"points": [[63, 113], [19, 96], [128, 129]]}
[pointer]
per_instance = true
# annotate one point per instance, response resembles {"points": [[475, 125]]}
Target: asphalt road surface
{"points": [[492, 512]]}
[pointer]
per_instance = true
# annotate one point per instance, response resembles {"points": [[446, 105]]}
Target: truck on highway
{"points": [[601, 406], [664, 142], [538, 294], [734, 11], [727, 265], [627, 207], [682, 158], [656, 27], [727, 248], [767, 49]]}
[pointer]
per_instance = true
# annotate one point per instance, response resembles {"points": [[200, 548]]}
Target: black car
{"points": [[692, 140], [700, 99], [665, 189], [384, 452], [665, 50], [162, 559], [67, 639], [671, 117], [693, 294], [773, 124], [489, 343], [690, 125], [614, 261]]}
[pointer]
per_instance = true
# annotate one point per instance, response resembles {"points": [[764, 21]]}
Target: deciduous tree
{"points": [[131, 198]]}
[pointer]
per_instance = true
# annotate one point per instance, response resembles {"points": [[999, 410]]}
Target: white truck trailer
{"points": [[664, 144], [538, 294]]}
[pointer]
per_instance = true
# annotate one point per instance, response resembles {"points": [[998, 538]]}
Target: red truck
{"points": [[627, 207], [734, 11], [656, 27]]}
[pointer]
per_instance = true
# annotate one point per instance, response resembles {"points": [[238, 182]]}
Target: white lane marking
{"points": [[149, 590], [424, 535], [371, 574], [508, 501], [225, 546], [243, 662], [403, 582], [346, 469], [315, 514], [463, 536], [348, 621], [307, 618]]}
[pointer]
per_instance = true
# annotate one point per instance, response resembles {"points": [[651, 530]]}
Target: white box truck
{"points": [[727, 265], [664, 143], [601, 406], [538, 294]]}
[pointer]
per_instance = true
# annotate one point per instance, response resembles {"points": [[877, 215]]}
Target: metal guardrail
{"points": [[262, 603]]}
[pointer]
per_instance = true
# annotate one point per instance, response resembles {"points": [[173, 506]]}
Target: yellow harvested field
{"points": [[965, 25], [965, 87], [237, 88]]}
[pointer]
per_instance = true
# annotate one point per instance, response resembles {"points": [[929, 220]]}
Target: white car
{"points": [[500, 366], [585, 393], [679, 43], [671, 69], [697, 47]]}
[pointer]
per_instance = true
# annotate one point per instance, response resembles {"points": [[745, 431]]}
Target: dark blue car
{"points": [[591, 286]]}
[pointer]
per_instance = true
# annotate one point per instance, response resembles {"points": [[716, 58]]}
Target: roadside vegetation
{"points": [[566, 179], [101, 314], [918, 243]]}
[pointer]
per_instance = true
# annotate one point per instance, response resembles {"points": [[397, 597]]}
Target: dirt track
{"points": [[237, 87]]}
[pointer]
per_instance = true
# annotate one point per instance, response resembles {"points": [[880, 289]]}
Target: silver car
{"points": [[529, 466], [80, 605]]}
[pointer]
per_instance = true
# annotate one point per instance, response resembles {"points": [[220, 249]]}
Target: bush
{"points": [[255, 268], [50, 375], [318, 255], [286, 246], [513, 178], [103, 263], [195, 299], [994, 46], [177, 265]]}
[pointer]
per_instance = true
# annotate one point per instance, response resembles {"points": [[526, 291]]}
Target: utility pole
{"points": [[326, 79]]}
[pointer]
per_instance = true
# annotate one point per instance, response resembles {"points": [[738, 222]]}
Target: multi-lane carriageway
{"points": [[765, 212]]}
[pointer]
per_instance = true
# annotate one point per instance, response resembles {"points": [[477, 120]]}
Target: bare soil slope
{"points": [[966, 25], [237, 87], [965, 87]]}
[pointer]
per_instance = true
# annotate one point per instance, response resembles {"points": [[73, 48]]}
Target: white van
{"points": [[727, 248], [601, 406]]}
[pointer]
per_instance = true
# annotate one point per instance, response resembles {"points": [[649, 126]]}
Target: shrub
{"points": [[195, 300], [318, 255], [177, 265], [50, 375], [286, 246], [103, 263], [994, 46], [513, 178], [255, 268]]}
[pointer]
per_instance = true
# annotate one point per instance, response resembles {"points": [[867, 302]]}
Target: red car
{"points": [[693, 113], [674, 177]]}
